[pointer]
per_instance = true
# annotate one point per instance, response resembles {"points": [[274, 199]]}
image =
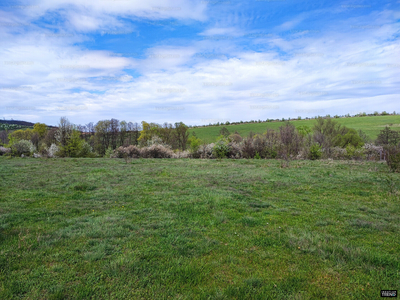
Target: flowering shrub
{"points": [[221, 148], [157, 151], [235, 150], [52, 151], [182, 154], [130, 151], [372, 152], [4, 150], [206, 151], [23, 147]]}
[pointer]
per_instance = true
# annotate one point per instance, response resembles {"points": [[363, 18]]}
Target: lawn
{"points": [[370, 125], [197, 229]]}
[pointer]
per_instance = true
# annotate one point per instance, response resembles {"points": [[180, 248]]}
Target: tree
{"points": [[225, 132], [64, 131], [74, 145], [291, 141], [123, 128], [114, 131], [304, 130], [388, 137], [181, 134], [102, 136], [41, 129], [350, 138]]}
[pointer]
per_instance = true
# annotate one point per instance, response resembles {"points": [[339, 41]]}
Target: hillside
{"points": [[371, 125]]}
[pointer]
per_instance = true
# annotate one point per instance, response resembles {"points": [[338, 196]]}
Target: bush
{"points": [[354, 153], [393, 158], [221, 148], [52, 151], [206, 151], [4, 150], [372, 152], [86, 150], [194, 145], [23, 147], [157, 151], [315, 152], [235, 150]]}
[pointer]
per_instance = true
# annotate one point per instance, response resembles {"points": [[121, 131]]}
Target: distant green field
{"points": [[197, 229], [370, 125]]}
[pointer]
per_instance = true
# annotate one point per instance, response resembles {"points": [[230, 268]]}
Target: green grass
{"points": [[197, 229], [370, 125]]}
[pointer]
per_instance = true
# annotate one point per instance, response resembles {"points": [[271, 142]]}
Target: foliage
{"points": [[315, 152], [4, 150], [21, 134], [194, 146], [388, 137], [304, 130], [40, 128], [22, 147], [393, 157], [52, 151], [224, 132], [350, 138], [221, 148]]}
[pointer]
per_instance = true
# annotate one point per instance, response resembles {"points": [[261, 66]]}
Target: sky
{"points": [[197, 61]]}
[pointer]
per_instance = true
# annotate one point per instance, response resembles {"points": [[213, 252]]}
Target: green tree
{"points": [[225, 132], [388, 137], [73, 147], [40, 128]]}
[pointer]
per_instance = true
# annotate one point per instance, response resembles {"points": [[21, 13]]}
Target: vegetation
{"points": [[370, 125], [197, 229]]}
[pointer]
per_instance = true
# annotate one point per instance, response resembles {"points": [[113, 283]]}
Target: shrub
{"points": [[86, 150], [182, 154], [393, 158], [52, 151], [157, 151], [354, 153], [206, 151], [315, 152], [23, 147], [372, 152], [194, 145], [109, 152], [257, 156], [235, 150], [221, 148], [4, 150], [248, 148]]}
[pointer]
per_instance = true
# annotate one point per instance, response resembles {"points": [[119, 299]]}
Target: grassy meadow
{"points": [[198, 229], [371, 125]]}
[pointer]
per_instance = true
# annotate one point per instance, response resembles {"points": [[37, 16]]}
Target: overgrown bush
{"points": [[52, 151], [315, 152], [194, 145], [206, 151], [221, 148], [4, 150], [23, 147], [393, 158], [157, 151], [372, 152]]}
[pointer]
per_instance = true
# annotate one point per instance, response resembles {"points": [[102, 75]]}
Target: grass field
{"points": [[370, 125], [197, 229]]}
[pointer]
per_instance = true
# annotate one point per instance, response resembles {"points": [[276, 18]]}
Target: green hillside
{"points": [[371, 125]]}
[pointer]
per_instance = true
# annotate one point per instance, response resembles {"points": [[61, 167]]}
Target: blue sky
{"points": [[197, 61]]}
